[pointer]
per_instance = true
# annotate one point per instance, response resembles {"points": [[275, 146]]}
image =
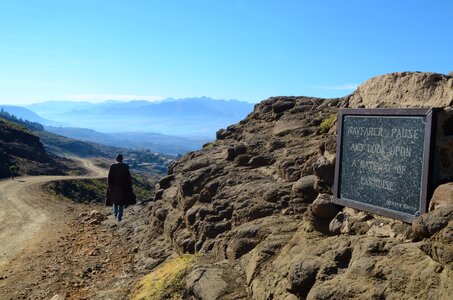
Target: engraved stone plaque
{"points": [[383, 161]]}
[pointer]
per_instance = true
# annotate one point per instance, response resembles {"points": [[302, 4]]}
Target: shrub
{"points": [[209, 145], [327, 123], [13, 170]]}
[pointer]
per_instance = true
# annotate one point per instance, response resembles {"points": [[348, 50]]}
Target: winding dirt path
{"points": [[28, 217], [53, 249]]}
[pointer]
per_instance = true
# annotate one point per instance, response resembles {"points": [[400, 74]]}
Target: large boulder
{"points": [[325, 170], [324, 208], [302, 276], [442, 197], [404, 89], [280, 107], [304, 188], [428, 224], [206, 283]]}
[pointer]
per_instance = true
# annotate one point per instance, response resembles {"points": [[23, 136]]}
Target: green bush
{"points": [[209, 145], [327, 123], [13, 170]]}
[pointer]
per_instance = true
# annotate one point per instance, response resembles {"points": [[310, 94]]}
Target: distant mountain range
{"points": [[189, 117], [156, 142], [172, 126]]}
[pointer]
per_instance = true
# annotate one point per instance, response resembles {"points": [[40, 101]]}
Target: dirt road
{"points": [[27, 215], [53, 249]]}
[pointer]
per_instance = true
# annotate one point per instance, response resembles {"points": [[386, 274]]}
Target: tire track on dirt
{"points": [[27, 214]]}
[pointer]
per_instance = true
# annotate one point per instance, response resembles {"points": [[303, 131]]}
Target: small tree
{"points": [[13, 170]]}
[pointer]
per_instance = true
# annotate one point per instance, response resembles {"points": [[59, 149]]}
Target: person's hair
{"points": [[119, 158]]}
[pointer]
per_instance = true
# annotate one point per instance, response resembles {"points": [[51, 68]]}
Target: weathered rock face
{"points": [[248, 199], [257, 169]]}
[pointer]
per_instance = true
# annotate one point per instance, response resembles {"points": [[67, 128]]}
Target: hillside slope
{"points": [[20, 148], [140, 160], [27, 114], [34, 151], [257, 202]]}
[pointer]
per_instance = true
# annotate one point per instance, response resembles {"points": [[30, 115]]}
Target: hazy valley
{"points": [[171, 126], [188, 117]]}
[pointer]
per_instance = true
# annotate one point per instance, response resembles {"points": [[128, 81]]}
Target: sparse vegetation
{"points": [[78, 190], [93, 190], [33, 126], [143, 186], [13, 170], [327, 123], [209, 145], [15, 126], [166, 282]]}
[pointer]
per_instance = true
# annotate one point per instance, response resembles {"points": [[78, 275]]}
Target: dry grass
{"points": [[166, 282]]}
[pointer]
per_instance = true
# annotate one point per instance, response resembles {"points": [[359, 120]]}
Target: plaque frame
{"points": [[428, 144]]}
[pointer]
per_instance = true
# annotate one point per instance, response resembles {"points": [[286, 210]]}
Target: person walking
{"points": [[119, 190]]}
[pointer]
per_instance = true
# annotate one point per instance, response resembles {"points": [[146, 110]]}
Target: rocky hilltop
{"points": [[404, 89], [257, 203]]}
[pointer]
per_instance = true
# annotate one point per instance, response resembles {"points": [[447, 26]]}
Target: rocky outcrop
{"points": [[259, 199], [404, 89], [442, 197], [259, 168]]}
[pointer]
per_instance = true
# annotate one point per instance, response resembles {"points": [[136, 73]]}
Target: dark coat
{"points": [[119, 190]]}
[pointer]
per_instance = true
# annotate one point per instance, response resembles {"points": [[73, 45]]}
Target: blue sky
{"points": [[246, 50]]}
